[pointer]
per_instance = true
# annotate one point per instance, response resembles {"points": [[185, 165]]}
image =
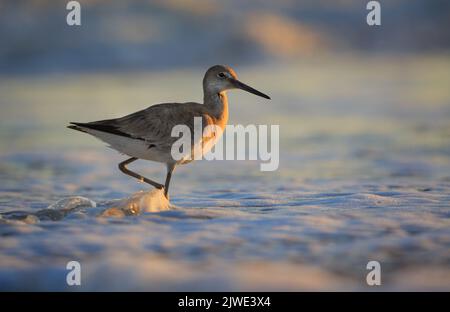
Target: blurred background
{"points": [[364, 143], [168, 34], [313, 56]]}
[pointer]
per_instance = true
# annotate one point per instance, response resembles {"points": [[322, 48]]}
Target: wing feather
{"points": [[154, 124]]}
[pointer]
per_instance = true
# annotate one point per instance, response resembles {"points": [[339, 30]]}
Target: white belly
{"points": [[143, 150], [131, 147]]}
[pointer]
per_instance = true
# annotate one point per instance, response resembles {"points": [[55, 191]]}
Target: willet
{"points": [[146, 134]]}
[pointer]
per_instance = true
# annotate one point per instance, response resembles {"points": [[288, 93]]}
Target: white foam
{"points": [[139, 202], [73, 203]]}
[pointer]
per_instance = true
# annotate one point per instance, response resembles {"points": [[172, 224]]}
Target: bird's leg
{"points": [[124, 169], [168, 177]]}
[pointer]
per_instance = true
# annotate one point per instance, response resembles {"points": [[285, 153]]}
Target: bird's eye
{"points": [[221, 75]]}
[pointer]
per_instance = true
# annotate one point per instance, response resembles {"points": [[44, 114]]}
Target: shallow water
{"points": [[364, 175]]}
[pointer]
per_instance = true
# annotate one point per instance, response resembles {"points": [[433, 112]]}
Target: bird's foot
{"points": [[165, 193]]}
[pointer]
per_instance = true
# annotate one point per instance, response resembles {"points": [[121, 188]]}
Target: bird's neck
{"points": [[217, 105]]}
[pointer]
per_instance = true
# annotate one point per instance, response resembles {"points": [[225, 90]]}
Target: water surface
{"points": [[364, 175]]}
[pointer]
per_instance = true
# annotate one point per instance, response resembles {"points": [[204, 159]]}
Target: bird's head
{"points": [[221, 78]]}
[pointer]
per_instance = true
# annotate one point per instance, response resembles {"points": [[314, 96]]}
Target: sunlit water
{"points": [[364, 175]]}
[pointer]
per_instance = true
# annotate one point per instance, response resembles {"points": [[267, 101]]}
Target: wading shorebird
{"points": [[147, 134]]}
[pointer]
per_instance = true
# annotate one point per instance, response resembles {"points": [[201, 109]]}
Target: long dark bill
{"points": [[244, 87]]}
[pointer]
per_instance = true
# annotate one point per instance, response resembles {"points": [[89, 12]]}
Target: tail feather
{"points": [[74, 126], [101, 126]]}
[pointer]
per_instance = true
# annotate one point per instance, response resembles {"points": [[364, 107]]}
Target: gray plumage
{"points": [[146, 134]]}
